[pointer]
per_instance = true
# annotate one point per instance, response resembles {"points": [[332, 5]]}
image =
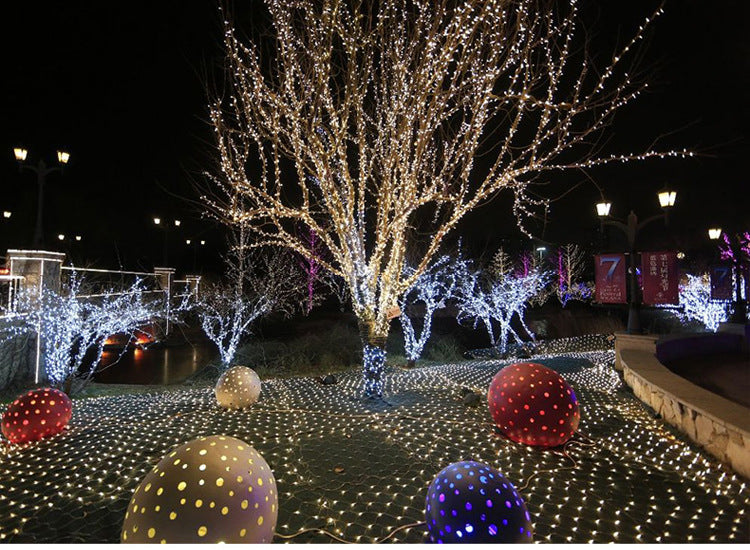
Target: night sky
{"points": [[122, 86]]}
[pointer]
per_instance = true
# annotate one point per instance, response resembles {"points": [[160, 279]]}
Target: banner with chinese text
{"points": [[721, 282], [610, 279], [660, 278]]}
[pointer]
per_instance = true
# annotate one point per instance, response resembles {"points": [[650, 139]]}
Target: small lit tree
{"points": [[499, 298], [257, 282], [569, 263], [432, 289], [385, 107], [696, 303], [73, 325]]}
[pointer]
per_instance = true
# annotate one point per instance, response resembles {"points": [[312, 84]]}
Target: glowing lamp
{"points": [[472, 502], [61, 237], [157, 221], [237, 388], [667, 198], [78, 237], [37, 414], [214, 489], [187, 241], [534, 405], [177, 223], [20, 153], [7, 214], [714, 233], [602, 208], [63, 157]]}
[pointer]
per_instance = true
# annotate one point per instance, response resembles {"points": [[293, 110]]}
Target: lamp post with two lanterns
{"points": [[630, 227], [165, 227], [41, 170]]}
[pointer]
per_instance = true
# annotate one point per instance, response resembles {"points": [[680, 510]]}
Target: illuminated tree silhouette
{"points": [[499, 297], [257, 283], [569, 263], [432, 289], [74, 324], [696, 303], [383, 108]]}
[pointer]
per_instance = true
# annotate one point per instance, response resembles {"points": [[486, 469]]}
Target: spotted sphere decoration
{"points": [[472, 502], [237, 388], [37, 414], [210, 490], [534, 405]]}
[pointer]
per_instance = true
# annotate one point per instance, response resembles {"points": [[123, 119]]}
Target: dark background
{"points": [[122, 86]]}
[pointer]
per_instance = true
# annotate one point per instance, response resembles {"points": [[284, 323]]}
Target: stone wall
{"points": [[17, 360], [720, 426]]}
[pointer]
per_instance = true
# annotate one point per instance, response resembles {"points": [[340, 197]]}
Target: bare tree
{"points": [[258, 282], [570, 261], [74, 323], [384, 108]]}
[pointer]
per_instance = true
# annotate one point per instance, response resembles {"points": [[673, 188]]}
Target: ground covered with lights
{"points": [[354, 470]]}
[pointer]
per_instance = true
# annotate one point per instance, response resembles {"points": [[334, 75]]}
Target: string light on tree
{"points": [[384, 120]]}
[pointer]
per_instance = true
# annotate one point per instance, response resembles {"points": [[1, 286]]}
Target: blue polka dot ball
{"points": [[472, 502]]}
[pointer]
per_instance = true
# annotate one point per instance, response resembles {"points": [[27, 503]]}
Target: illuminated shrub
{"points": [[39, 413], [209, 490], [237, 388], [472, 502], [534, 405]]}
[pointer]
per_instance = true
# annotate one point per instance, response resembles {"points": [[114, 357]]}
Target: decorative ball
{"points": [[237, 388], [39, 413], [472, 502], [534, 405], [209, 490]]}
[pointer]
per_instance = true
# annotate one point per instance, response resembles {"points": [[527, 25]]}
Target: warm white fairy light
{"points": [[383, 109], [360, 473], [74, 324]]}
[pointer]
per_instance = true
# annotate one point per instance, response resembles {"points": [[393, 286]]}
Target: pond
{"points": [[163, 365]]}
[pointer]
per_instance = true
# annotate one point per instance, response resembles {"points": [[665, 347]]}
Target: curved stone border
{"points": [[720, 426]]}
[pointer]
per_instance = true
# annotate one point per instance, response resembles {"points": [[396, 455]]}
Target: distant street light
{"points": [[41, 171], [78, 238], [61, 237], [714, 233], [7, 214], [195, 245], [631, 227]]}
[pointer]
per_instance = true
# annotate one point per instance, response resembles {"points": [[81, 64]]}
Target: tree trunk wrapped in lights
{"points": [[383, 107]]}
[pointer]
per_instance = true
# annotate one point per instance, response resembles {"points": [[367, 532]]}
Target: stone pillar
{"points": [[193, 281], [165, 277], [36, 270], [39, 269]]}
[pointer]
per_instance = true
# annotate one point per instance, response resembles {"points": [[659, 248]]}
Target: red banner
{"points": [[721, 282], [610, 280], [660, 278]]}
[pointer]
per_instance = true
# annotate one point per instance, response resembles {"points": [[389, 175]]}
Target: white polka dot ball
{"points": [[237, 388], [210, 490]]}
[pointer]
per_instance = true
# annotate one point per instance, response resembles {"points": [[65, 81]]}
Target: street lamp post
{"points": [[194, 245], [630, 228], [41, 170], [735, 250], [165, 226]]}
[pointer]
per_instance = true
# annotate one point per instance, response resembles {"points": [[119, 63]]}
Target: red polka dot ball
{"points": [[534, 405], [37, 414]]}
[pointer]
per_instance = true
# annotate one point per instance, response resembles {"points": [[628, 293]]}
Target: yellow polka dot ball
{"points": [[237, 388], [211, 490]]}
